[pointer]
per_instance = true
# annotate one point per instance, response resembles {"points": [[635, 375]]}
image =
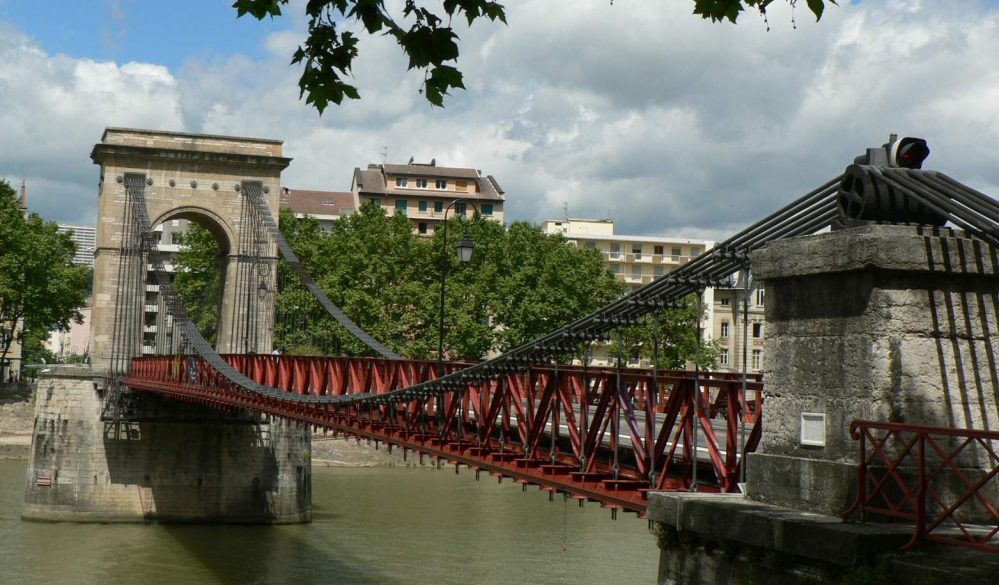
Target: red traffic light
{"points": [[908, 153]]}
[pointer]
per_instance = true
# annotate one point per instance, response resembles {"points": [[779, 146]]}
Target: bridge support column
{"points": [[174, 462], [882, 322]]}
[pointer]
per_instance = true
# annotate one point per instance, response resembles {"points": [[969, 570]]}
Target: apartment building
{"points": [[423, 191], [739, 324], [324, 206], [634, 260], [86, 242]]}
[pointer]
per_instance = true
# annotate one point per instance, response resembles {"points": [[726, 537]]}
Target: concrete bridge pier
{"points": [[882, 322], [173, 462]]}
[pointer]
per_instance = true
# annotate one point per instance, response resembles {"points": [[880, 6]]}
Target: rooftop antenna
{"points": [[384, 153]]}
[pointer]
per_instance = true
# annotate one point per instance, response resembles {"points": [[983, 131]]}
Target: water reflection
{"points": [[394, 526]]}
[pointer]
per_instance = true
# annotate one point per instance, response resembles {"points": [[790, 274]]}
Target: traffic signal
{"points": [[908, 153]]}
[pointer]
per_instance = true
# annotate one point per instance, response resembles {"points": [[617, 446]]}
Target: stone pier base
{"points": [[177, 462]]}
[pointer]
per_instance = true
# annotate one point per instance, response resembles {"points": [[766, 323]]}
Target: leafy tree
{"points": [[198, 279], [40, 289], [543, 282], [424, 35], [668, 338]]}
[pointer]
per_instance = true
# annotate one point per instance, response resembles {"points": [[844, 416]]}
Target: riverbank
{"points": [[17, 411]]}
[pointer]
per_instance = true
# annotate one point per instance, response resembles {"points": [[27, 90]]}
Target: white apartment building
{"points": [[634, 260], [86, 242]]}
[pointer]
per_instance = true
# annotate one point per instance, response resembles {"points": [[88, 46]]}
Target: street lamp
{"points": [[464, 250]]}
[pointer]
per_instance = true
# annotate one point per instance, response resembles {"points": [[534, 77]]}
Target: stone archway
{"points": [[189, 176]]}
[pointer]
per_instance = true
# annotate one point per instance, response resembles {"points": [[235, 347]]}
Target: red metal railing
{"points": [[943, 480], [621, 431]]}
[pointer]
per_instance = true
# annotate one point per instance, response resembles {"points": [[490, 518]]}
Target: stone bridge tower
{"points": [[196, 177], [168, 460]]}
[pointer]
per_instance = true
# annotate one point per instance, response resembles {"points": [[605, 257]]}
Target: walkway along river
{"points": [[381, 525]]}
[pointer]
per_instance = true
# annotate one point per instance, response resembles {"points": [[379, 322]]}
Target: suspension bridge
{"points": [[608, 435]]}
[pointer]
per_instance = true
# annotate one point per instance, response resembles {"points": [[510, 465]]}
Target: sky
{"points": [[637, 110]]}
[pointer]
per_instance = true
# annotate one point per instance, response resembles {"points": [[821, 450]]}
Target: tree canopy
{"points": [[40, 288], [520, 284], [424, 35]]}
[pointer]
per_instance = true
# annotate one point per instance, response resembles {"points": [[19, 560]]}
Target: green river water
{"points": [[386, 525]]}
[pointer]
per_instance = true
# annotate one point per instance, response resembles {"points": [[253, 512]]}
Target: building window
{"points": [[657, 250], [636, 249], [759, 297], [422, 227], [421, 183], [636, 271], [724, 329], [615, 268], [376, 201], [725, 301], [423, 206], [487, 209], [589, 244], [695, 251], [615, 250], [657, 271], [176, 238], [723, 357], [461, 186], [757, 330], [460, 209], [757, 359], [675, 254], [441, 184], [328, 202], [438, 206], [400, 206], [401, 182]]}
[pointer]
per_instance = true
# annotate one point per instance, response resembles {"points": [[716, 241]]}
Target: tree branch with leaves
{"points": [[423, 34]]}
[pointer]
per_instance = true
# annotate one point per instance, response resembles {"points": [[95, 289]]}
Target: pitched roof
{"points": [[317, 202], [375, 180]]}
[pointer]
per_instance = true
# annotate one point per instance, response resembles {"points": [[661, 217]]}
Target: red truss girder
{"points": [[621, 431], [901, 471]]}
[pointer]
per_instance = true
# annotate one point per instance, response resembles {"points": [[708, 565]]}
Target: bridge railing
{"points": [[943, 480], [620, 430]]}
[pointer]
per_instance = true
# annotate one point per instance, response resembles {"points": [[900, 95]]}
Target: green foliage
{"points": [[39, 286], [718, 10], [425, 37], [668, 338], [198, 279], [328, 52], [519, 285]]}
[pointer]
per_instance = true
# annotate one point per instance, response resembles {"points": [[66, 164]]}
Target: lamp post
{"points": [[464, 250]]}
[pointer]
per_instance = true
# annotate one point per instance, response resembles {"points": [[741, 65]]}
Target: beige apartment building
{"points": [[423, 191], [634, 260], [736, 328]]}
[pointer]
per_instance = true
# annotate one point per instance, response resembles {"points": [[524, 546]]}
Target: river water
{"points": [[385, 525]]}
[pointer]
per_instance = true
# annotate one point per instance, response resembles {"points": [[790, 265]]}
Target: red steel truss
{"points": [[943, 480], [622, 432]]}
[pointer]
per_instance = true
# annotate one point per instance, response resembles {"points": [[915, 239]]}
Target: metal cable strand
{"points": [[807, 215], [252, 190]]}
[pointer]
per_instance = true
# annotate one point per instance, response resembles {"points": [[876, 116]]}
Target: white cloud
{"points": [[639, 110]]}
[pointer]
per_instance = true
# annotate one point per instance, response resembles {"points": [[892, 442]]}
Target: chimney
{"points": [[24, 194]]}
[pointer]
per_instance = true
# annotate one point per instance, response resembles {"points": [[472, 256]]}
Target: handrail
{"points": [[915, 473]]}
